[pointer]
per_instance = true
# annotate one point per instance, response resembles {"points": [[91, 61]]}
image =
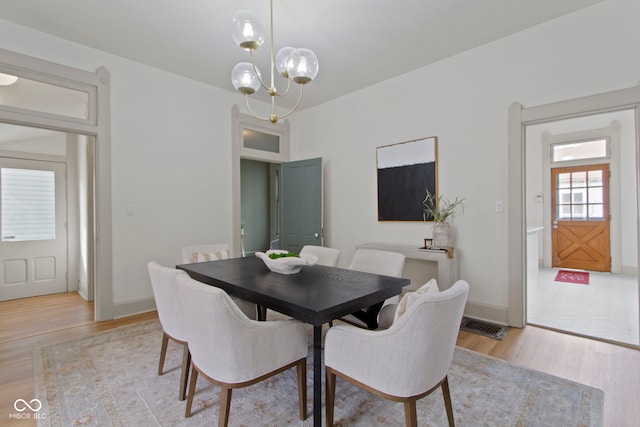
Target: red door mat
{"points": [[581, 277]]}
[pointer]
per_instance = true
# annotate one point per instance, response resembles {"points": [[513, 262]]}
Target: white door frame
{"points": [[612, 135], [519, 118], [239, 151], [96, 124]]}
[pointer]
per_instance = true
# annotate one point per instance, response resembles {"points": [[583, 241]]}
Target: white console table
{"points": [[417, 271]]}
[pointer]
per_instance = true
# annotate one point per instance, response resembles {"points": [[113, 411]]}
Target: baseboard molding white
{"points": [[133, 307], [629, 270], [490, 313]]}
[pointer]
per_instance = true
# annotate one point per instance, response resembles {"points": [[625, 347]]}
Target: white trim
{"points": [[97, 85], [132, 308], [612, 135], [520, 117], [242, 121], [487, 312]]}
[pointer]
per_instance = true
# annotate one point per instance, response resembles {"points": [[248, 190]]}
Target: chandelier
{"points": [[299, 65]]}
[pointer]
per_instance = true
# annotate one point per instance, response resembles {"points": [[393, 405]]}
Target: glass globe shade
{"points": [[244, 79], [282, 57], [302, 66], [247, 32]]}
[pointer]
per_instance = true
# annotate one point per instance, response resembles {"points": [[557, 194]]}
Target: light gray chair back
{"points": [[165, 291], [326, 256], [205, 252], [378, 262], [405, 362], [234, 351]]}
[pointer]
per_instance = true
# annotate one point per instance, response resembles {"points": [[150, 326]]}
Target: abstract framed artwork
{"points": [[406, 171]]}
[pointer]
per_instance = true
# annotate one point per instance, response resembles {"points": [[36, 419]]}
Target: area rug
{"points": [[110, 378], [568, 276]]}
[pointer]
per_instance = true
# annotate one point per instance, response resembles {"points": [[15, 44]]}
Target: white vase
{"points": [[441, 233]]}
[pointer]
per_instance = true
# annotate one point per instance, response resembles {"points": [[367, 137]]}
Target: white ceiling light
{"points": [[7, 79], [299, 65]]}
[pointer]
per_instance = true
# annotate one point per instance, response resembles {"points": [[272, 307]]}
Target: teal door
{"points": [[301, 204]]}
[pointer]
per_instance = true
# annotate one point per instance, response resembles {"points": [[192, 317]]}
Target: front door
{"points": [[302, 204], [33, 239], [580, 208]]}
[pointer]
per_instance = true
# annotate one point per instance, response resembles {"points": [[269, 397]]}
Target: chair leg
{"points": [[225, 406], [163, 352], [301, 368], [192, 391], [447, 402], [330, 395], [410, 413], [184, 375]]}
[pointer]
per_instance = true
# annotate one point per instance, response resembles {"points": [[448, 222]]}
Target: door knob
{"points": [[317, 236]]}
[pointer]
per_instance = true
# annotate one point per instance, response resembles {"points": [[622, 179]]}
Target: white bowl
{"points": [[286, 265]]}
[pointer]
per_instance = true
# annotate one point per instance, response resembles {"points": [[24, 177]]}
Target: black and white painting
{"points": [[405, 172]]}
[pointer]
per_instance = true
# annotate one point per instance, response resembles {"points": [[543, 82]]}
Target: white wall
{"points": [[171, 140], [464, 100], [171, 151]]}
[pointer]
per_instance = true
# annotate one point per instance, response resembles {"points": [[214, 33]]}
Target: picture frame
{"points": [[405, 171]]}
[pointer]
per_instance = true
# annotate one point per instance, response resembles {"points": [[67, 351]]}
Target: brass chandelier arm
{"points": [[276, 93], [255, 70], [273, 118], [271, 90], [295, 106], [246, 98]]}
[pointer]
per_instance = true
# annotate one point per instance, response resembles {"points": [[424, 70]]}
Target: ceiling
{"points": [[358, 42]]}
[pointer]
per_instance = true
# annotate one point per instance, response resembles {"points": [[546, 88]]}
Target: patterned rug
{"points": [[568, 276], [110, 379]]}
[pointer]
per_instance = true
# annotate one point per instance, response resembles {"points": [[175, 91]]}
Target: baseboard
{"points": [[133, 307], [490, 313]]}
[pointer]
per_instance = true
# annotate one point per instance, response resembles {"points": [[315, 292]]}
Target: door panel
{"points": [[33, 235], [581, 229], [302, 204]]}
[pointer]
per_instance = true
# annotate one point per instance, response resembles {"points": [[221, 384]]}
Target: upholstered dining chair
{"points": [[253, 350], [378, 262], [165, 292], [215, 252], [405, 362], [326, 256], [206, 252]]}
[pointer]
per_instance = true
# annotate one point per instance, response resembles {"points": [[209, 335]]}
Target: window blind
{"points": [[28, 204]]}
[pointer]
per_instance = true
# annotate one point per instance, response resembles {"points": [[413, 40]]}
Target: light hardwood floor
{"points": [[30, 323]]}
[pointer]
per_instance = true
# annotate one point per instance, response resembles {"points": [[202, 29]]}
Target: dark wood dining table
{"points": [[316, 295]]}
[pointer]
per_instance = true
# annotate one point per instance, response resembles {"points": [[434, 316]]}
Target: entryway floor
{"points": [[606, 308]]}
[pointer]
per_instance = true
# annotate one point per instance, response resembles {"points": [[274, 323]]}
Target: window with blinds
{"points": [[28, 204]]}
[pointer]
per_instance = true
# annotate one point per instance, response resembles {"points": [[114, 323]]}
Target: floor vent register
{"points": [[481, 327]]}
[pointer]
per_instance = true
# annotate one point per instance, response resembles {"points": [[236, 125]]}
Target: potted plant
{"points": [[440, 210]]}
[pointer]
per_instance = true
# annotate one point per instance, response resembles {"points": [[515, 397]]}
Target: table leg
{"points": [[262, 312], [317, 376]]}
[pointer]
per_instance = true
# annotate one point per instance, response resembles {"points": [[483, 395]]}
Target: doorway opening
{"points": [[260, 206], [256, 145], [581, 216], [295, 190], [46, 195], [86, 114]]}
